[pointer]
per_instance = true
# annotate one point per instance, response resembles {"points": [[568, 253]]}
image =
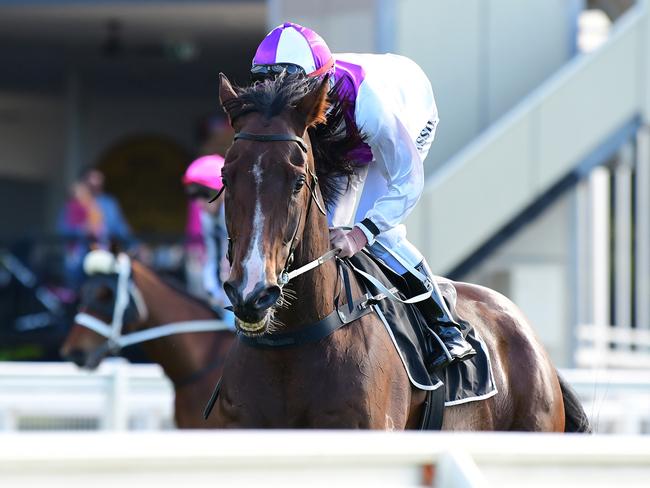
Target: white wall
{"points": [[534, 270], [482, 57], [346, 25]]}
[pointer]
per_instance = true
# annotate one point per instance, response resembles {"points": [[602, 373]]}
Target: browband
{"points": [[272, 138]]}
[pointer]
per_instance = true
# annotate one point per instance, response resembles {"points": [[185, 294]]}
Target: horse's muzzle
{"points": [[81, 358], [254, 307]]}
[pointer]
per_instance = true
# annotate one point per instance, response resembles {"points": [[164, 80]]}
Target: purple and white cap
{"points": [[295, 44]]}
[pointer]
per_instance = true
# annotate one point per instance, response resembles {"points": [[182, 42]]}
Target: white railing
{"points": [[606, 346], [60, 396], [121, 396], [250, 458], [531, 148], [616, 401]]}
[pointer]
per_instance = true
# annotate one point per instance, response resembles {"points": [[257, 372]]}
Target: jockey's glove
{"points": [[349, 242]]}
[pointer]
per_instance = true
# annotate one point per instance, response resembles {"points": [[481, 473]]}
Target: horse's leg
{"points": [[372, 358]]}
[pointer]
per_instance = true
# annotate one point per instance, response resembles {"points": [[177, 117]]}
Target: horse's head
{"points": [[100, 318], [269, 183]]}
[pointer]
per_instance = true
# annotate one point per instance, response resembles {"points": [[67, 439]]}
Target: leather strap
{"points": [[433, 411], [311, 333], [213, 399], [272, 138]]}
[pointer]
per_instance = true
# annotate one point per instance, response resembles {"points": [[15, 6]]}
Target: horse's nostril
{"points": [[266, 298]]}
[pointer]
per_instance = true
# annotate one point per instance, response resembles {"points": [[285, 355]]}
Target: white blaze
{"points": [[254, 262]]}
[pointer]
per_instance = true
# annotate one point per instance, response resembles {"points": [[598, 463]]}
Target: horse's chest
{"points": [[317, 397]]}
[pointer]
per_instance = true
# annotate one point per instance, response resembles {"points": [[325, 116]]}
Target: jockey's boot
{"points": [[439, 319]]}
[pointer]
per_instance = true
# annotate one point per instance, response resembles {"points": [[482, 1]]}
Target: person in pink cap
{"points": [[391, 102], [202, 181]]}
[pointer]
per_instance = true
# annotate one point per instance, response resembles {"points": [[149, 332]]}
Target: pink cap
{"points": [[205, 171]]}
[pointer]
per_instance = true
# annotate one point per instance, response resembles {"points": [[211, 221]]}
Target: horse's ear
{"points": [[227, 95], [313, 106]]}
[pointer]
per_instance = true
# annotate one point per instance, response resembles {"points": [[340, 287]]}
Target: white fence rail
{"points": [[221, 458], [59, 396], [607, 346], [121, 396]]}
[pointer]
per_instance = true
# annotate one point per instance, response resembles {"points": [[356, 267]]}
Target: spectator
{"points": [[81, 223], [116, 226]]}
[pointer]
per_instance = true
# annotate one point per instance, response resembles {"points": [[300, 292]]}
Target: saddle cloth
{"points": [[466, 381]]}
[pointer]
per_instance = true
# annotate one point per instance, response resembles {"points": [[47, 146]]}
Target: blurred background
{"points": [[538, 180]]}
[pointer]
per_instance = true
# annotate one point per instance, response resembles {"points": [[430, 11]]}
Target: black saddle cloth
{"points": [[465, 381]]}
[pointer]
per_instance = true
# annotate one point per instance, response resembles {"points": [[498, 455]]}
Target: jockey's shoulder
{"points": [[359, 58]]}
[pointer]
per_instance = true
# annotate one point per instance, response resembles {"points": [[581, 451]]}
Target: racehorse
{"points": [[277, 184], [177, 331]]}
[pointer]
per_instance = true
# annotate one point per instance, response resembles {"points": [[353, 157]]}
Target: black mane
{"points": [[331, 142]]}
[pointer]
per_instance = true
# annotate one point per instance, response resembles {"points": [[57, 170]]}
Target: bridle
{"points": [[127, 291], [285, 275]]}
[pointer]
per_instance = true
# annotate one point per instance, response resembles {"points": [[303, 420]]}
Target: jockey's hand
{"points": [[349, 242]]}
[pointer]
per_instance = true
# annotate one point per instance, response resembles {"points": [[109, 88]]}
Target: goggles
{"points": [[195, 190], [264, 71]]}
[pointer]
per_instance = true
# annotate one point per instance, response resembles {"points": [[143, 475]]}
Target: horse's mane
{"points": [[331, 142]]}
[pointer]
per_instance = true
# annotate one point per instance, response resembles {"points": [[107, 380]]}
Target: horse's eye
{"points": [[300, 182]]}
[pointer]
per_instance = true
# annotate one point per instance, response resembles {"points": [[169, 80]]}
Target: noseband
{"points": [[272, 138]]}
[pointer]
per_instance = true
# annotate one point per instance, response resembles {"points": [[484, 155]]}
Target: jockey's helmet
{"points": [[204, 174], [292, 48]]}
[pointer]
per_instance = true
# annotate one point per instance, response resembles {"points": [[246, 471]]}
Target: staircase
{"points": [[575, 121]]}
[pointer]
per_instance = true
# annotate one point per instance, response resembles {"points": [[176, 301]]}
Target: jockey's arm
{"points": [[395, 150]]}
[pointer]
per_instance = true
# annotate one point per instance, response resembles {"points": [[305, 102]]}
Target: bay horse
{"points": [[193, 361], [276, 185]]}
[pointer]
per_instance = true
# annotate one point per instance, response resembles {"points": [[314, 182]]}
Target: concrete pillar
{"points": [[599, 180], [623, 237], [642, 229], [73, 157], [579, 269], [386, 15], [582, 254]]}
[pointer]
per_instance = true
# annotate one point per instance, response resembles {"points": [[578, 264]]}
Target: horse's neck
{"points": [[180, 355], [314, 290]]}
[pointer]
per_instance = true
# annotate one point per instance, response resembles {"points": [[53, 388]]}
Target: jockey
{"points": [[395, 110], [202, 180]]}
